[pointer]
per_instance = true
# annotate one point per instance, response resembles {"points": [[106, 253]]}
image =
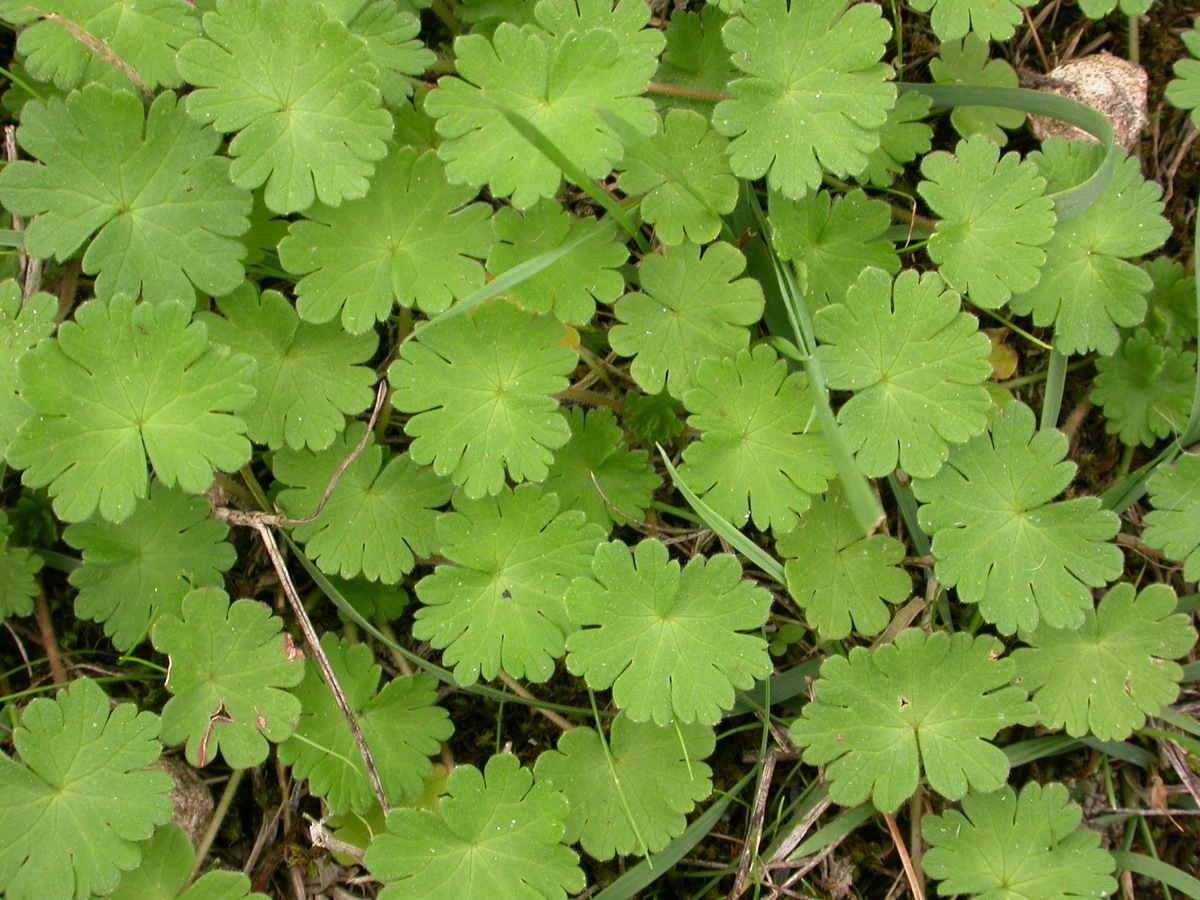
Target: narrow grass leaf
{"points": [[1140, 864]]}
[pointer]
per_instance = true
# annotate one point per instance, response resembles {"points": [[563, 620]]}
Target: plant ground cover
{"points": [[513, 449]]}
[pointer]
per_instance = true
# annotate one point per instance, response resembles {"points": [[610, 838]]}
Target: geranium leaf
{"points": [[306, 380], [902, 138], [499, 835], [147, 184], [689, 147], [916, 363], [144, 35], [760, 456], [1171, 303], [658, 768], [1145, 389], [308, 117], [1087, 289], [400, 723], [390, 32], [91, 443], [18, 566], [1048, 854], [966, 62], [22, 324], [500, 604], [988, 19], [815, 95], [229, 664], [927, 703], [693, 307], [585, 56], [832, 240], [166, 863], [1183, 92], [571, 286], [1173, 526], [624, 480], [668, 642], [380, 516], [1105, 677], [995, 218], [74, 808], [136, 573], [836, 575], [412, 240], [696, 57], [998, 490], [480, 385]]}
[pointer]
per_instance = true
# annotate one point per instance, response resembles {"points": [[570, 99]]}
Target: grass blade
{"points": [[1140, 864]]}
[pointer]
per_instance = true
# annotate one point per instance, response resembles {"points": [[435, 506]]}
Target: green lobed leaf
{"points": [[988, 19], [831, 240], [1183, 92], [1173, 526], [229, 665], [148, 185], [133, 574], [1171, 303], [479, 385], [91, 443], [308, 116], [997, 491], [582, 55], [668, 642], [692, 308], [1047, 854], [499, 605], [400, 723], [23, 322], [390, 33], [815, 95], [760, 456], [73, 810], [994, 220], [145, 35], [966, 61], [413, 240], [380, 517], [1087, 289], [924, 703], [571, 286], [1145, 389], [306, 380], [658, 768], [902, 138], [695, 57], [624, 480], [690, 148], [166, 863], [836, 575], [1107, 676], [916, 364], [18, 568], [499, 835]]}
